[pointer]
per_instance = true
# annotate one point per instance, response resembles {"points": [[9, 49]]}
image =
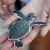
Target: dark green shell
{"points": [[19, 29]]}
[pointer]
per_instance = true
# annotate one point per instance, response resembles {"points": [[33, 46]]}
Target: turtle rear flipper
{"points": [[18, 44], [38, 23]]}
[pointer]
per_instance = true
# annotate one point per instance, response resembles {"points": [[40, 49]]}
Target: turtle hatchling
{"points": [[19, 29]]}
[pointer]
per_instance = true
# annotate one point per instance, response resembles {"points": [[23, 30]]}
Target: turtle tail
{"points": [[18, 43]]}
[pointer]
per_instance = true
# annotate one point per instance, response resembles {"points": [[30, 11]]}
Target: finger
{"points": [[3, 38], [10, 20], [31, 36], [46, 28], [7, 45], [16, 48], [1, 9], [11, 7]]}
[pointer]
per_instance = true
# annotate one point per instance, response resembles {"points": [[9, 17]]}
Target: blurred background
{"points": [[39, 43]]}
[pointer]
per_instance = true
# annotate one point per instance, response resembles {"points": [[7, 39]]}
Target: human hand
{"points": [[41, 9], [4, 6]]}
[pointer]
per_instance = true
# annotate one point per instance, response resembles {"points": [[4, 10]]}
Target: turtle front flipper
{"points": [[19, 14], [18, 44], [38, 23]]}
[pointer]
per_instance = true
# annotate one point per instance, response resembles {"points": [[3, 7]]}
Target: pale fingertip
{"points": [[4, 25], [9, 21], [44, 31]]}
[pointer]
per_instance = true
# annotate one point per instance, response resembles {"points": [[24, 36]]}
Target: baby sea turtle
{"points": [[22, 27]]}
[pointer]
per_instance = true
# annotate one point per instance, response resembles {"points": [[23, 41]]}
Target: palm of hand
{"points": [[42, 10]]}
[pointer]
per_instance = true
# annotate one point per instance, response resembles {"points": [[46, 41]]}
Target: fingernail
{"points": [[4, 25]]}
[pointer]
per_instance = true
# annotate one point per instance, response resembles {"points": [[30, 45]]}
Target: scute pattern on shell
{"points": [[19, 29]]}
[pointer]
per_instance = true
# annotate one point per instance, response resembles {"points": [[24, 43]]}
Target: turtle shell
{"points": [[19, 29]]}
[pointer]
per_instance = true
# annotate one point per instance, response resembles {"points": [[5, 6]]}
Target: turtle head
{"points": [[31, 17]]}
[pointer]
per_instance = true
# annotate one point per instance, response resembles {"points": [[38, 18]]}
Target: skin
{"points": [[42, 10]]}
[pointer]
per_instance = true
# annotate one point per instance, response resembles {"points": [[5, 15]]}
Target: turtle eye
{"points": [[14, 11], [33, 14]]}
